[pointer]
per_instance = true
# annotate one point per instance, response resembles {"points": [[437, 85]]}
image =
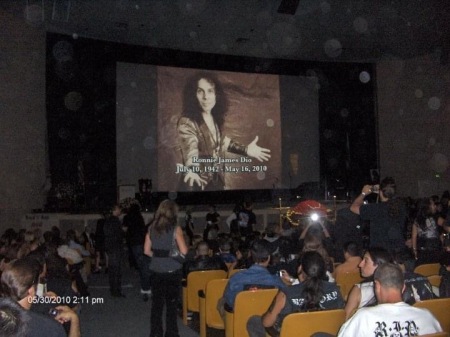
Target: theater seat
{"points": [[197, 281], [209, 315], [234, 271], [248, 303], [304, 324], [347, 280], [440, 308], [428, 269]]}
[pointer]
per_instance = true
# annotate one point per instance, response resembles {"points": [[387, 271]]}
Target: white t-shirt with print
{"points": [[390, 320]]}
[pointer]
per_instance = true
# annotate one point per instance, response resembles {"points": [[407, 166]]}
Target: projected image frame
{"points": [[253, 109]]}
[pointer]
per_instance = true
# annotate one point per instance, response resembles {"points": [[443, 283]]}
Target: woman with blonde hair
{"points": [[164, 243]]}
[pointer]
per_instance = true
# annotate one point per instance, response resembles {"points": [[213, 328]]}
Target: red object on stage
{"points": [[308, 207]]}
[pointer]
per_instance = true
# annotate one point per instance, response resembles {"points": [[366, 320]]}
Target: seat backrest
{"points": [[347, 280], [196, 281], [440, 308], [213, 293], [428, 269], [234, 271], [249, 303], [304, 324], [435, 280]]}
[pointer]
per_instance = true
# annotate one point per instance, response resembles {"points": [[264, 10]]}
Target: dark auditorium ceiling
{"points": [[328, 30]]}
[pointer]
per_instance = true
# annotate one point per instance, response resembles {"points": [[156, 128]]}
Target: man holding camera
{"points": [[387, 218]]}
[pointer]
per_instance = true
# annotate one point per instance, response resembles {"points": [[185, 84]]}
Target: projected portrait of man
{"points": [[217, 130], [200, 129]]}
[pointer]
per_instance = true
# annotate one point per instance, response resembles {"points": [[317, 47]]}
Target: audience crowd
{"points": [[388, 239]]}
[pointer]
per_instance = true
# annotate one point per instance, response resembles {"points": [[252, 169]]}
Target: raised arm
{"points": [[359, 201]]}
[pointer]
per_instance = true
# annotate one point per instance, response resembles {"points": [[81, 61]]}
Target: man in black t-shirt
{"points": [[246, 219], [387, 218]]}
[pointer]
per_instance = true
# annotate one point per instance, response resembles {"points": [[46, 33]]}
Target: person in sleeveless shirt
{"points": [[362, 294], [163, 236]]}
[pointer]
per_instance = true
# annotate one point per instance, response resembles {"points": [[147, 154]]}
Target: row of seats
{"points": [[197, 282], [249, 303], [346, 281], [207, 287]]}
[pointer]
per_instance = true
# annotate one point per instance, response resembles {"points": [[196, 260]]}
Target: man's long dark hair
{"points": [[191, 107]]}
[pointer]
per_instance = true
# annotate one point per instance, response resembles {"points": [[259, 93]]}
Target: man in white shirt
{"points": [[392, 316]]}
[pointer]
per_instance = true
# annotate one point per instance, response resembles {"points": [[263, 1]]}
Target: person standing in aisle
{"points": [[114, 235], [164, 243]]}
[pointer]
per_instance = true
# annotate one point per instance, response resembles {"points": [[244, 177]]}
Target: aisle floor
{"points": [[121, 317]]}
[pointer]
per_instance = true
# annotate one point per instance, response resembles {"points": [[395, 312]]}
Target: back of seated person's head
{"points": [[313, 265], [225, 246], [243, 250], [56, 232], [312, 242], [202, 248], [351, 248], [48, 236], [260, 251], [10, 236], [13, 319], [313, 272], [271, 229], [389, 276], [402, 257], [71, 235], [29, 236], [257, 234], [19, 277], [275, 258], [11, 252], [39, 257], [446, 242], [197, 239], [248, 205], [56, 267]]}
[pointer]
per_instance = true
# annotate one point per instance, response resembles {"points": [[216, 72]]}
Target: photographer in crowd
{"points": [[387, 218]]}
